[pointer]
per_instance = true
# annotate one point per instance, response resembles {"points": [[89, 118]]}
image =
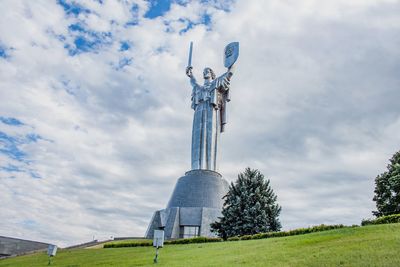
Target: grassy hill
{"points": [[375, 245]]}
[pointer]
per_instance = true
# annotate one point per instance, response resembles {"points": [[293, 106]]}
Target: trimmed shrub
{"points": [[128, 244], [246, 237], [299, 231], [233, 238], [194, 240], [259, 236], [394, 218], [200, 239], [365, 222]]}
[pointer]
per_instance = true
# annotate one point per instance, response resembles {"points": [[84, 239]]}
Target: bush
{"points": [[299, 231], [365, 222], [200, 239], [394, 218], [128, 244], [194, 240], [246, 237]]}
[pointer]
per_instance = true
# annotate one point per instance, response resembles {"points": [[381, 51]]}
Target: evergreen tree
{"points": [[249, 208], [387, 189]]}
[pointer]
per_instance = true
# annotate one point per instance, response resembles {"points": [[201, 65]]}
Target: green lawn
{"points": [[375, 245]]}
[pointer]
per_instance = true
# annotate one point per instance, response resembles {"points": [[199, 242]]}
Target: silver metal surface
{"points": [[52, 250], [197, 199], [209, 102], [177, 217], [158, 239], [190, 54], [231, 54]]}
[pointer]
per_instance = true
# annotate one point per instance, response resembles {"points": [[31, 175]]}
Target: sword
{"points": [[190, 54]]}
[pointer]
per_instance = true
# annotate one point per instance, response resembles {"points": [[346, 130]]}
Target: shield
{"points": [[231, 54]]}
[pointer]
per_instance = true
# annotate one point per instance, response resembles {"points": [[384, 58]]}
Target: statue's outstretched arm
{"points": [[230, 71], [195, 86], [189, 73], [223, 81]]}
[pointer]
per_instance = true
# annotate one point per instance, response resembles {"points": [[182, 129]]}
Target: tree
{"points": [[387, 189], [250, 207]]}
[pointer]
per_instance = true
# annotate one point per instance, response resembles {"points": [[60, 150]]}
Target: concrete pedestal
{"points": [[196, 202]]}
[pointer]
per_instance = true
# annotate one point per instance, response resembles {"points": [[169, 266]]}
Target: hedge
{"points": [[394, 218], [299, 231], [128, 244], [199, 239], [202, 239]]}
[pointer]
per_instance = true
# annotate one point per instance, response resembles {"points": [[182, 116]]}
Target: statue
{"points": [[209, 102], [197, 198]]}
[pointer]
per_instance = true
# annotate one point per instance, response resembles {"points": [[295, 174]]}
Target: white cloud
{"points": [[314, 107]]}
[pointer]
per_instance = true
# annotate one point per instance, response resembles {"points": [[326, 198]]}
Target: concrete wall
{"points": [[13, 246]]}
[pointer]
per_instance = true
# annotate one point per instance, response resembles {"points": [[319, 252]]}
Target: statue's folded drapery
{"points": [[209, 104]]}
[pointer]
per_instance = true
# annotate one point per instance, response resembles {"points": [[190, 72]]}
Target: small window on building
{"points": [[189, 231]]}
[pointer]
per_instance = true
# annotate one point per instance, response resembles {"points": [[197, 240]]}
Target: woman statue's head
{"points": [[208, 73]]}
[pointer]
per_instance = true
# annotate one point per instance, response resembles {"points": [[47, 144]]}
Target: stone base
{"points": [[195, 203], [173, 221]]}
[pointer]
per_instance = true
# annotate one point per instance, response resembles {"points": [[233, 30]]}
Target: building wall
{"points": [[13, 246]]}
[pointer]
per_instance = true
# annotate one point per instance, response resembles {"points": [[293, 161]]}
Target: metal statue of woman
{"points": [[209, 103]]}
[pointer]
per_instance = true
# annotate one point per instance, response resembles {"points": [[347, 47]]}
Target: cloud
{"points": [[95, 108]]}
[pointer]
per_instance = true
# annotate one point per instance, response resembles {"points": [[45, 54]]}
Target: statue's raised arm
{"points": [[189, 73], [231, 54], [196, 88]]}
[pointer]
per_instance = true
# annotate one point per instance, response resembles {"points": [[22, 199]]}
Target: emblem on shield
{"points": [[231, 54]]}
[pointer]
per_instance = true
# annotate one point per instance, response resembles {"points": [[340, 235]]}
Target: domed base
{"points": [[195, 203], [199, 188]]}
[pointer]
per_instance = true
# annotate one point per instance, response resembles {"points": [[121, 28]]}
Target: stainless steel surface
{"points": [[198, 196], [231, 54], [52, 250], [190, 54], [158, 238], [209, 102]]}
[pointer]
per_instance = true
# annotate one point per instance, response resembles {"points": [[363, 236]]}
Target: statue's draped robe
{"points": [[209, 104]]}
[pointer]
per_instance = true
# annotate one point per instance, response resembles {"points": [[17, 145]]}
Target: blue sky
{"points": [[86, 40], [95, 111], [157, 8]]}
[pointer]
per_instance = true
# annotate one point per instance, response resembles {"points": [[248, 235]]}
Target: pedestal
{"points": [[196, 202]]}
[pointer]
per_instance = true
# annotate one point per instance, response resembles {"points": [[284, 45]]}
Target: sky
{"points": [[95, 117]]}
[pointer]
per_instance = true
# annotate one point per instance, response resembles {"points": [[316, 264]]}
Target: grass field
{"points": [[375, 245]]}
